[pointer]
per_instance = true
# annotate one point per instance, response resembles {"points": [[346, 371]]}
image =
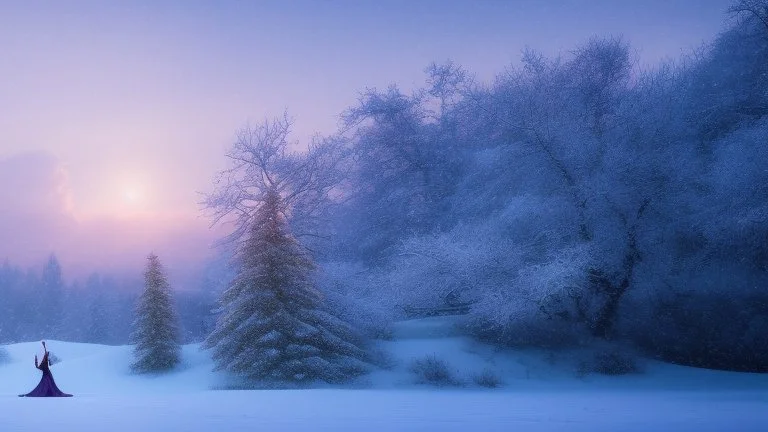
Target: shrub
{"points": [[433, 371], [382, 359], [53, 359], [615, 363], [4, 356], [488, 379], [610, 361]]}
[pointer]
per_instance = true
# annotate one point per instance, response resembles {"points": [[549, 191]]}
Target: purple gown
{"points": [[47, 386]]}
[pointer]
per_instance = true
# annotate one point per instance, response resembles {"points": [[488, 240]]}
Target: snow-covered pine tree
{"points": [[97, 321], [156, 331], [49, 302], [98, 327], [272, 327]]}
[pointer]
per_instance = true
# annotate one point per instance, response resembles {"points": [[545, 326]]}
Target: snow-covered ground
{"points": [[540, 393]]}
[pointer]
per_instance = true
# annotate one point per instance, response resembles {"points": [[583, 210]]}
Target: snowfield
{"points": [[540, 393]]}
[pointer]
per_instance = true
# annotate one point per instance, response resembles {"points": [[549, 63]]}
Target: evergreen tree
{"points": [[272, 326], [98, 329], [5, 302], [156, 331], [97, 326], [50, 299]]}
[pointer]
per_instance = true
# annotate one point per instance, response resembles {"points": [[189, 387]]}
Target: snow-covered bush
{"points": [[456, 266], [609, 360], [4, 356], [434, 371], [615, 363], [53, 359], [488, 379], [538, 303], [524, 283]]}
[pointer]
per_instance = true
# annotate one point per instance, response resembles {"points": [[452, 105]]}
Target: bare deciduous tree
{"points": [[757, 9], [261, 161]]}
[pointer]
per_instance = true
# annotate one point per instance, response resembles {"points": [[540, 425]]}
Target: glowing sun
{"points": [[133, 197]]}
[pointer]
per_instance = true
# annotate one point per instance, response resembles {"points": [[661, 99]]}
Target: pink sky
{"points": [[115, 115], [42, 218]]}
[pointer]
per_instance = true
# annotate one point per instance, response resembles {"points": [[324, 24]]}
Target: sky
{"points": [[115, 115]]}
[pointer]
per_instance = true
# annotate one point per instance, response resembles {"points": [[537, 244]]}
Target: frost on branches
{"points": [[156, 330], [273, 328]]}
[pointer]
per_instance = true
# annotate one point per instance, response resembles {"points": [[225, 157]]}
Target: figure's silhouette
{"points": [[47, 386]]}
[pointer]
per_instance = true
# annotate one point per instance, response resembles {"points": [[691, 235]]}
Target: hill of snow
{"points": [[541, 392]]}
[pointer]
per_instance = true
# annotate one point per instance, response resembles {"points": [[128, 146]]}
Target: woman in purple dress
{"points": [[47, 386]]}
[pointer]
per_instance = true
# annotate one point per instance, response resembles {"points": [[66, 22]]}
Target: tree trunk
{"points": [[606, 316]]}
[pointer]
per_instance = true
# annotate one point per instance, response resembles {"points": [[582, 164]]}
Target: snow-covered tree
{"points": [[260, 160], [50, 298], [756, 10], [273, 327], [156, 331], [404, 166], [98, 325], [17, 308], [5, 301]]}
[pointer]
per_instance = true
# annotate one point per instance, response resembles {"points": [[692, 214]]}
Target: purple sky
{"points": [[115, 114]]}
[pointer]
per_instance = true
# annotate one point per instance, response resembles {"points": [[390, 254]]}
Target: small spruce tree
{"points": [[97, 322], [156, 331], [98, 327], [50, 300], [272, 327]]}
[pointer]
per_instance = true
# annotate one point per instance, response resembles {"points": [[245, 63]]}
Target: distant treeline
{"points": [[37, 304]]}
